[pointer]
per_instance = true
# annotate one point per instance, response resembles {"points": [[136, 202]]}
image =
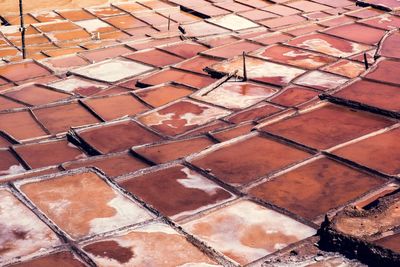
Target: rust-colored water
{"points": [[8, 7]]}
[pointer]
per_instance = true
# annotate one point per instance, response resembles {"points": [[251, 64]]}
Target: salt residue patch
{"points": [[233, 22], [14, 169], [92, 25], [321, 79], [126, 213], [231, 95], [71, 84], [16, 218], [196, 181], [151, 247], [113, 70]]}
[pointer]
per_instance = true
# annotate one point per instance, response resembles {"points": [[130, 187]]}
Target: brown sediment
{"points": [[106, 53], [36, 95], [61, 118], [6, 103], [129, 134], [187, 192], [244, 161], [391, 242], [231, 133], [358, 33], [161, 95], [323, 128], [112, 166], [113, 107], [385, 71], [22, 71], [232, 49], [64, 258], [39, 155], [197, 64], [125, 22], [390, 46], [282, 21], [315, 188], [182, 77], [293, 96], [21, 125], [66, 62], [164, 152], [155, 57], [110, 249], [254, 113], [365, 92], [75, 15], [373, 153]]}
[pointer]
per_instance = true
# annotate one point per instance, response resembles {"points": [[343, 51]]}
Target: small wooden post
{"points": [[22, 29], [366, 61], [244, 67]]}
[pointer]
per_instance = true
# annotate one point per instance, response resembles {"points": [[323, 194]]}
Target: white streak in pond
{"points": [[156, 118], [126, 213], [196, 181], [207, 115]]}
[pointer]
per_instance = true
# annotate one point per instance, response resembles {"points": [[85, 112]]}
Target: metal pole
{"points": [[22, 29]]}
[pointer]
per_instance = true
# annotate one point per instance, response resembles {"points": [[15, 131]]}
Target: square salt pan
{"points": [[245, 231], [112, 70], [235, 95], [82, 203], [233, 22]]}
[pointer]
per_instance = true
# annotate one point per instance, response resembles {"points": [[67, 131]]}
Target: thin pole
{"points": [[169, 21], [366, 61], [244, 67], [22, 29]]}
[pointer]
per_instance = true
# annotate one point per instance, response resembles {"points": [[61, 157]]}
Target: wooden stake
{"points": [[22, 29], [366, 61]]}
